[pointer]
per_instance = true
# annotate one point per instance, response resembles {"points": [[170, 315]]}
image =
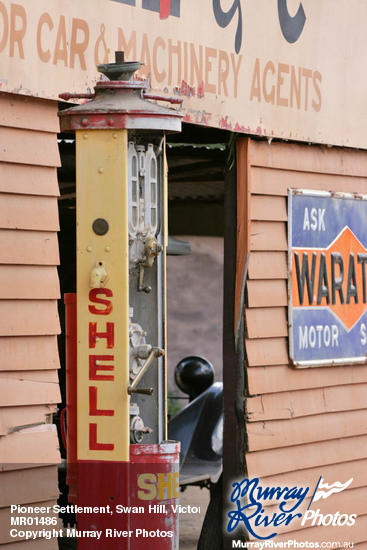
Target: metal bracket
{"points": [[152, 249], [155, 352]]}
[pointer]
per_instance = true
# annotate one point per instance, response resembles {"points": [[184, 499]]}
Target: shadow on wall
{"points": [[195, 304]]}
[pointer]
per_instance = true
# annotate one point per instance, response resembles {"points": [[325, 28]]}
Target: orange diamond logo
{"points": [[334, 277]]}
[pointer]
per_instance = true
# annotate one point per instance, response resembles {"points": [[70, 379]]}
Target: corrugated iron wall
{"points": [[300, 423], [29, 324]]}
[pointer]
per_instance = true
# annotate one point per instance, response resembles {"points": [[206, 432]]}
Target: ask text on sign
{"points": [[327, 278]]}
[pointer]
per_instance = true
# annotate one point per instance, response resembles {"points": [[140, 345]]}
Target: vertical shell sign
{"points": [[327, 236]]}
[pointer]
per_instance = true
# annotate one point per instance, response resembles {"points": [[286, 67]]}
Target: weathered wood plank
{"points": [[29, 485], [276, 406], [271, 236], [39, 444], [35, 375], [20, 111], [310, 476], [266, 351], [270, 462], [38, 544], [29, 282], [29, 180], [282, 378], [266, 181], [321, 159], [16, 417], [267, 265], [285, 433], [28, 212], [268, 208], [28, 247], [28, 317], [38, 148], [265, 293], [266, 322], [14, 393], [27, 352]]}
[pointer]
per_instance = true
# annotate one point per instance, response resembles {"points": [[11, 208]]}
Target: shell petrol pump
{"points": [[122, 471]]}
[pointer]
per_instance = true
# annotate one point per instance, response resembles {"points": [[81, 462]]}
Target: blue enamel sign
{"points": [[327, 236]]}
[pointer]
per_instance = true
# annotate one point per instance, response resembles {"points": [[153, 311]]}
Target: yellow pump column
{"points": [[102, 295], [121, 191]]}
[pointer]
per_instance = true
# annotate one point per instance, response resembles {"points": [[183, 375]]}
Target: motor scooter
{"points": [[199, 428]]}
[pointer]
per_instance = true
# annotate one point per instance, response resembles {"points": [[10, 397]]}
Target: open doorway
{"points": [[197, 159]]}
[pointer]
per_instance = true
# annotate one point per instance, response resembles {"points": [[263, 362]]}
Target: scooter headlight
{"points": [[217, 437]]}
